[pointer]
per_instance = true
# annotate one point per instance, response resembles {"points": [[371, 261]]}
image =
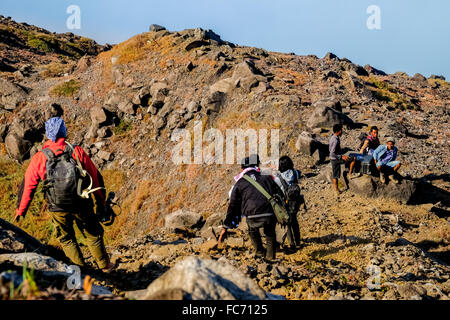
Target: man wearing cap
{"points": [[385, 160], [82, 214], [246, 200]]}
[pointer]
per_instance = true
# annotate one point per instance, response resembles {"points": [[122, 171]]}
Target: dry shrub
{"points": [[114, 179], [143, 191], [299, 79], [56, 69]]}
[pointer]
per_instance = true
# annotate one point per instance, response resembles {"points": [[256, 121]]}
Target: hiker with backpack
{"points": [[258, 198], [287, 179], [368, 145], [69, 177], [337, 158], [385, 160]]}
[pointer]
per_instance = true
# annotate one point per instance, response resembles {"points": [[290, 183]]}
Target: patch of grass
{"points": [[36, 222], [66, 89], [131, 50], [114, 181], [55, 69], [123, 127], [383, 92], [381, 96], [39, 44], [439, 83]]}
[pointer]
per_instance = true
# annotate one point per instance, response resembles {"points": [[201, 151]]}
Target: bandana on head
{"points": [[240, 175], [55, 128]]}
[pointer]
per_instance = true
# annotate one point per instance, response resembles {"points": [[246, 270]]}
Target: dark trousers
{"points": [[268, 225], [293, 231]]}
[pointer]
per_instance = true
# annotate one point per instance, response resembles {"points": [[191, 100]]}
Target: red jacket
{"points": [[36, 172]]}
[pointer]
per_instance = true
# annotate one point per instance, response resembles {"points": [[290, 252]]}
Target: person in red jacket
{"points": [[81, 213]]}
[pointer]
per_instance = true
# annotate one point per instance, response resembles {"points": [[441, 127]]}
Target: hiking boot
{"points": [[271, 260], [260, 254], [110, 267], [290, 250], [271, 248], [355, 175], [394, 179], [382, 178]]}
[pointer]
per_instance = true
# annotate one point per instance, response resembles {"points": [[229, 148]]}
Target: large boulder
{"points": [[54, 110], [15, 240], [326, 113], [35, 261], [127, 107], [326, 174], [213, 101], [142, 97], [374, 71], [17, 147], [204, 279], [29, 124], [212, 226], [224, 85], [11, 95], [159, 88], [99, 115], [18, 248], [247, 76], [182, 220], [307, 144], [370, 186], [355, 69], [27, 128], [156, 28], [196, 44], [48, 270]]}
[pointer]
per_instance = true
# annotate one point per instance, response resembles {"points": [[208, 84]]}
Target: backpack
{"points": [[66, 180], [294, 198], [362, 138], [277, 204]]}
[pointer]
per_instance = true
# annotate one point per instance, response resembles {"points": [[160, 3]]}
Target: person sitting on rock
{"points": [[385, 160], [65, 206], [365, 153], [246, 200], [336, 156]]}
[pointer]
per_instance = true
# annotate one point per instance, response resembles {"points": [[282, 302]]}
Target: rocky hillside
{"points": [[123, 106], [25, 49]]}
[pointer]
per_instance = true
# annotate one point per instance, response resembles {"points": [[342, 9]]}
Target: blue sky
{"points": [[414, 35]]}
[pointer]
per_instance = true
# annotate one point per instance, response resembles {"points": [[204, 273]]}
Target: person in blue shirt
{"points": [[385, 158]]}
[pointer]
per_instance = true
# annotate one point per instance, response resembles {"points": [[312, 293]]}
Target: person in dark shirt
{"points": [[336, 156], [365, 153], [247, 201]]}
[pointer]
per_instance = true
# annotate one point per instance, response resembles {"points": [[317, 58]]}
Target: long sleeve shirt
{"points": [[335, 148], [36, 172]]}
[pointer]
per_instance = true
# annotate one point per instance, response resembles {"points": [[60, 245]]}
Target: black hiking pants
{"points": [[293, 229], [268, 225]]}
